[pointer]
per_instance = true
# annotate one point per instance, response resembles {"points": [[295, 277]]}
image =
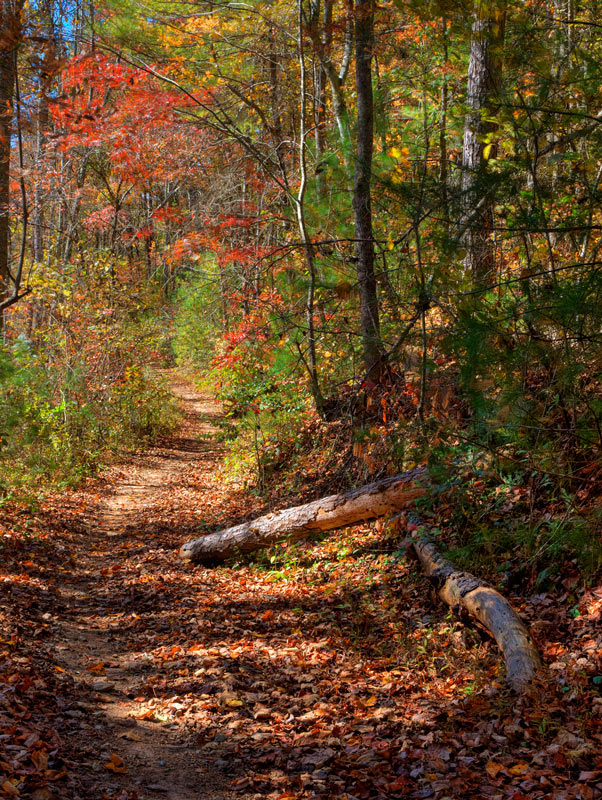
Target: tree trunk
{"points": [[38, 211], [461, 590], [322, 42], [337, 511], [308, 248], [483, 90], [362, 204], [9, 35], [443, 167]]}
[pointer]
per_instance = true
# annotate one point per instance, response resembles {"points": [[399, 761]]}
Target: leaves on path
{"points": [[324, 674]]}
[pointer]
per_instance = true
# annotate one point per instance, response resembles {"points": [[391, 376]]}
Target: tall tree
{"points": [[362, 203], [482, 95], [45, 64], [10, 34]]}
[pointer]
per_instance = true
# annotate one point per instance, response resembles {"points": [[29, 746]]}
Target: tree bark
{"points": [[337, 511], [461, 590], [37, 244], [308, 247], [483, 90], [362, 203], [9, 37]]}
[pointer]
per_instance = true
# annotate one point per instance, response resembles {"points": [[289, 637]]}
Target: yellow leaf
{"points": [[519, 769], [487, 151], [371, 701], [492, 768]]}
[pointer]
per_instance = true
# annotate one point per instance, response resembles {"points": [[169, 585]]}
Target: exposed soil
{"points": [[94, 643]]}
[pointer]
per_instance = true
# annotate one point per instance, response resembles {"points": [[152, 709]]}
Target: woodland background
{"points": [[373, 231]]}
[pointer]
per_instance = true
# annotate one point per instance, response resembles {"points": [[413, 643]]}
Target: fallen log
{"points": [[386, 496], [463, 591]]}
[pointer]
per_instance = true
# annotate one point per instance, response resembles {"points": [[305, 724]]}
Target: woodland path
{"points": [[154, 755]]}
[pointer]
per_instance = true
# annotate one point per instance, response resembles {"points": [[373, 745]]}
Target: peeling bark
{"points": [[337, 511], [461, 590]]}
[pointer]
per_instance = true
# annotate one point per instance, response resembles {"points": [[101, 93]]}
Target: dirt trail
{"points": [[151, 757]]}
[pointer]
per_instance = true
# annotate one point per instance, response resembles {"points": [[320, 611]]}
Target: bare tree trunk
{"points": [[483, 91], [71, 234], [362, 203], [38, 212], [322, 43], [276, 119], [443, 166], [337, 511], [307, 243], [9, 37], [320, 81], [46, 69]]}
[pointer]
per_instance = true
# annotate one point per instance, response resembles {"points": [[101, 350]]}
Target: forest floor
{"points": [[126, 674]]}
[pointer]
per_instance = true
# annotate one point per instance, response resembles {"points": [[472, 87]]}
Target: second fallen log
{"points": [[374, 500], [461, 590]]}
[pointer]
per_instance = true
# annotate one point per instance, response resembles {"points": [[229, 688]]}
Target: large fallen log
{"points": [[463, 591], [386, 496]]}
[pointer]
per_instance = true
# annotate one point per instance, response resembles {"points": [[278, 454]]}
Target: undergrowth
{"points": [[64, 412]]}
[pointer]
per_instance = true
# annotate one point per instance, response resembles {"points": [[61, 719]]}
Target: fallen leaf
{"points": [[43, 793], [132, 736], [493, 768], [519, 769], [116, 764]]}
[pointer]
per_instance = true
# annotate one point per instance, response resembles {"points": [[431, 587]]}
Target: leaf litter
{"points": [[328, 673]]}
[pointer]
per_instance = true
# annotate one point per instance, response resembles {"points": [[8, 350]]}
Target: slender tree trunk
{"points": [[71, 236], [9, 35], [362, 205], [443, 168], [322, 43], [307, 243], [320, 87], [276, 119], [483, 91], [46, 69], [38, 211]]}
